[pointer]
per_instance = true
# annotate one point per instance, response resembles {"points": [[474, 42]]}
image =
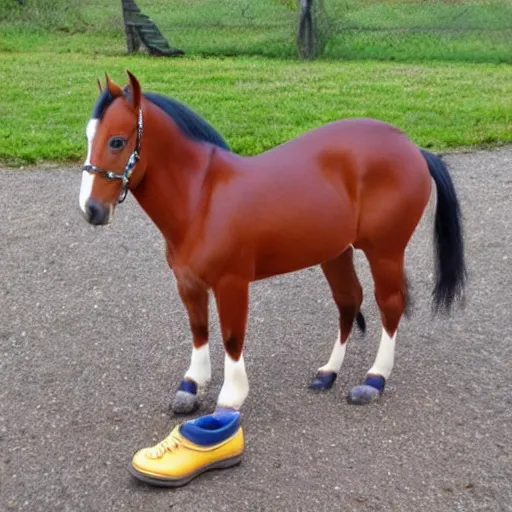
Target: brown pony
{"points": [[229, 220]]}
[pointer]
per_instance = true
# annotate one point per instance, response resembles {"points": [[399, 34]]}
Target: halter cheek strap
{"points": [[130, 165]]}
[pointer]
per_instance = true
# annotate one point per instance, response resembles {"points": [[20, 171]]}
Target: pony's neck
{"points": [[175, 169]]}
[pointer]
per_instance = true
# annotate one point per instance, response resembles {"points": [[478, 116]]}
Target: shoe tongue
{"points": [[211, 429]]}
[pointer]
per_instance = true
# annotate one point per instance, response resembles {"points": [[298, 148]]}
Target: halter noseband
{"points": [[130, 165]]}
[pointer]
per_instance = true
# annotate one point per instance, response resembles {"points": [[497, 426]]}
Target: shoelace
{"points": [[169, 444]]}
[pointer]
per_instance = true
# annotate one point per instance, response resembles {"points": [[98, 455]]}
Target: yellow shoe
{"points": [[209, 442]]}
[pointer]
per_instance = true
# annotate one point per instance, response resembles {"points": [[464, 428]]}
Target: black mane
{"points": [[104, 101], [189, 122]]}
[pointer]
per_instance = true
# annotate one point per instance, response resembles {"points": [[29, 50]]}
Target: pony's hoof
{"points": [[363, 394], [368, 392], [184, 402], [323, 381]]}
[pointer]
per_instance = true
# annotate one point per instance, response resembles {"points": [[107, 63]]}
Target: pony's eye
{"points": [[116, 143]]}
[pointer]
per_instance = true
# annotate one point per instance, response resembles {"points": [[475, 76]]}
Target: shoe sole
{"points": [[178, 482]]}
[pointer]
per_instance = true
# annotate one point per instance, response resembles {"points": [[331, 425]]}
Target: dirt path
{"points": [[94, 340]]}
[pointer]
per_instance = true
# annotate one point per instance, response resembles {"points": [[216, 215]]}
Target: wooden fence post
{"points": [[306, 35]]}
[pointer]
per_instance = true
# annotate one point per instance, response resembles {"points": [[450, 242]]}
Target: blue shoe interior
{"points": [[211, 429]]}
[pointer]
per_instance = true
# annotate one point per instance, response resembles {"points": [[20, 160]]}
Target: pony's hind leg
{"points": [[390, 293], [348, 295], [198, 375]]}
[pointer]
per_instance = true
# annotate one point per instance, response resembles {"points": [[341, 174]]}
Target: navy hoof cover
{"points": [[376, 382], [185, 401], [189, 386], [368, 392], [323, 380]]}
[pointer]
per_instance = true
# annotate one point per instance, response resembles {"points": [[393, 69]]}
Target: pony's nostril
{"points": [[96, 213]]}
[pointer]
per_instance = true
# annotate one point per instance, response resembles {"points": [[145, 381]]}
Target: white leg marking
{"points": [[385, 358], [200, 368], [88, 178], [337, 357], [236, 386]]}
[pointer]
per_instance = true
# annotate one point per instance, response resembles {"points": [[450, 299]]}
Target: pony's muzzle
{"points": [[97, 214]]}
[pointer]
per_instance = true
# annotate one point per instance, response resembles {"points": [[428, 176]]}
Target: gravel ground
{"points": [[94, 341]]}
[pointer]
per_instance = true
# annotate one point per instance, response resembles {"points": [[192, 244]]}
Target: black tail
{"points": [[449, 241]]}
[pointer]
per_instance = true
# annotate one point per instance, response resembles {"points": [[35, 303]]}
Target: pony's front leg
{"points": [[232, 297], [198, 375]]}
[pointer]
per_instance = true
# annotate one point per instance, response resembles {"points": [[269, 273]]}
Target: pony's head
{"points": [[113, 163]]}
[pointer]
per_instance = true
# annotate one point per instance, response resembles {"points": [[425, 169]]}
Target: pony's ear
{"points": [[136, 92], [113, 88], [99, 85]]}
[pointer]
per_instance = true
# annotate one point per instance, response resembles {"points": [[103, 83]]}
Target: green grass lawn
{"points": [[255, 103], [240, 71], [396, 30]]}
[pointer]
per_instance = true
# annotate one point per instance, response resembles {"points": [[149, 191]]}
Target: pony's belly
{"points": [[289, 254], [301, 231]]}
